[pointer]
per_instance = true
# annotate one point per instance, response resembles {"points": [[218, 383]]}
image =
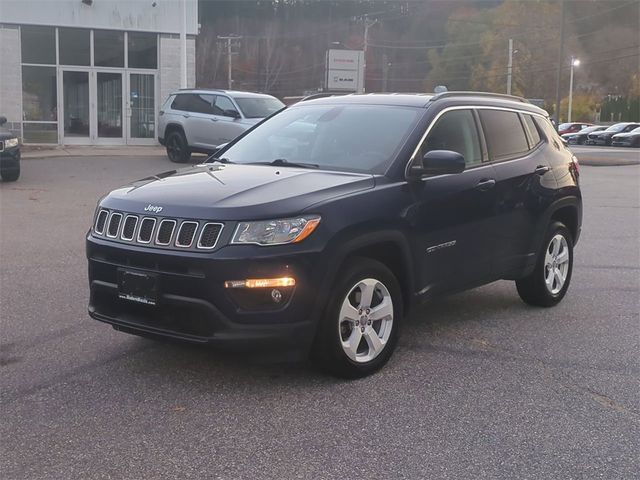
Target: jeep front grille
{"points": [[209, 235], [146, 230], [186, 233], [158, 232], [101, 221], [114, 224], [129, 227]]}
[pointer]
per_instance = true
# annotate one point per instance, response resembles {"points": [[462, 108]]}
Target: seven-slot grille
{"points": [[161, 232]]}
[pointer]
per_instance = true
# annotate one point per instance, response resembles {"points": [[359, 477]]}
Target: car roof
{"points": [[231, 93], [424, 100]]}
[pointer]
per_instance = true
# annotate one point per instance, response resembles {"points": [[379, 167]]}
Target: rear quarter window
{"points": [[534, 134], [504, 134], [181, 102]]}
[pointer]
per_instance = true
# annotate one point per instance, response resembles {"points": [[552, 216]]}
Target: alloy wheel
{"points": [[556, 264]]}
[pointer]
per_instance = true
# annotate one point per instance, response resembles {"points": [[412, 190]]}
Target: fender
{"points": [[342, 247], [545, 219]]}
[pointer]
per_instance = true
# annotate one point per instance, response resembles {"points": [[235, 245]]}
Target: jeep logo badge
{"points": [[152, 208]]}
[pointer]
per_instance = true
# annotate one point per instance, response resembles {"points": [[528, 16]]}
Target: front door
{"points": [[76, 111], [454, 215], [141, 109], [108, 115]]}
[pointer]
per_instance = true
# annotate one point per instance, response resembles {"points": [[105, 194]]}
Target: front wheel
{"points": [[177, 148], [360, 327], [10, 174], [547, 285]]}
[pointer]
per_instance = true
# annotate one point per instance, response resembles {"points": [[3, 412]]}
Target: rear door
{"points": [[454, 213], [199, 126], [525, 185]]}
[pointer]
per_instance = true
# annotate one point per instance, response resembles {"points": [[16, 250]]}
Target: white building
{"points": [[92, 72]]}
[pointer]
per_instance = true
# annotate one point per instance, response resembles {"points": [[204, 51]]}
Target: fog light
{"points": [[261, 283], [276, 295]]}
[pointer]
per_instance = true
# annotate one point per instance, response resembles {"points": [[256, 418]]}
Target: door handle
{"points": [[213, 119], [185, 115], [485, 184], [541, 169]]}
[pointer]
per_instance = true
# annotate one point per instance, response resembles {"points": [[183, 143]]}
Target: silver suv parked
{"points": [[198, 120]]}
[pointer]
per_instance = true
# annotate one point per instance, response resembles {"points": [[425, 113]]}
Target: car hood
{"points": [[235, 192], [624, 135], [5, 134]]}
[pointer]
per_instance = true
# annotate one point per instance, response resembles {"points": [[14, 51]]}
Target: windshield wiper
{"points": [[219, 160], [283, 162]]}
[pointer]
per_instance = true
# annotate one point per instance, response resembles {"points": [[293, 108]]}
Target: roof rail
{"points": [[321, 95], [196, 88], [438, 96]]}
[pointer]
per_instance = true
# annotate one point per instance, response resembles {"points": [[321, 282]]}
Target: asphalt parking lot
{"points": [[481, 386]]}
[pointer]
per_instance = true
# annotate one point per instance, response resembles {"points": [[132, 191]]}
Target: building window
{"points": [[74, 46], [39, 104], [38, 45], [108, 48], [142, 50]]}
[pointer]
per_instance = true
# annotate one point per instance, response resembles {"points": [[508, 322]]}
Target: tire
{"points": [[331, 350], [10, 175], [534, 289], [177, 148]]}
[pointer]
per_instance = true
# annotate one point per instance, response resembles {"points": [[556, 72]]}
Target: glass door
{"points": [[141, 109], [75, 107], [109, 111]]}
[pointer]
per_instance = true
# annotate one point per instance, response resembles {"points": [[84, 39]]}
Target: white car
{"points": [[197, 120]]}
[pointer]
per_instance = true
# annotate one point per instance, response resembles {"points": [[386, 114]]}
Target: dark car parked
{"points": [[318, 229], [628, 139], [9, 154], [573, 127], [580, 138], [605, 137]]}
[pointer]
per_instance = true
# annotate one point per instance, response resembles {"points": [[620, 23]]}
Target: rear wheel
{"points": [[177, 148], [10, 174], [360, 328], [547, 285]]}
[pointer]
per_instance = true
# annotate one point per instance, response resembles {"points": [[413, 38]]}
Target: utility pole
{"points": [[231, 42], [385, 72], [510, 66], [183, 46], [560, 63], [367, 24]]}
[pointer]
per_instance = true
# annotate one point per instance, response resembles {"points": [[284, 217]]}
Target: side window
{"points": [[455, 130], [534, 135], [222, 104], [181, 102], [504, 134], [201, 103]]}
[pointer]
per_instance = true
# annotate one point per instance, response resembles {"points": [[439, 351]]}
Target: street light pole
{"points": [[574, 63], [510, 66]]}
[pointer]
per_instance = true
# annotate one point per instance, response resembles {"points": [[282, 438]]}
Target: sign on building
{"points": [[345, 70]]}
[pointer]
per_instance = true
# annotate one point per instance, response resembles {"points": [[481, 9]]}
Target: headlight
{"points": [[10, 143], [276, 232]]}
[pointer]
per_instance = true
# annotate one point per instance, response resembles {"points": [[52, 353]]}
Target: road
{"points": [[481, 386]]}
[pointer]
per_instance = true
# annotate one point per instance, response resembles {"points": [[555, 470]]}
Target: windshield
{"points": [[564, 126], [259, 107], [635, 130], [590, 129], [616, 128], [356, 138]]}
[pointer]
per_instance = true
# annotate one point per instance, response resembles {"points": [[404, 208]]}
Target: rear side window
{"points": [[181, 102], [534, 135], [504, 134], [201, 103], [455, 130]]}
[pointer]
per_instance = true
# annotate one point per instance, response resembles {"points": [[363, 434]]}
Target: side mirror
{"points": [[3, 120], [231, 113], [439, 162]]}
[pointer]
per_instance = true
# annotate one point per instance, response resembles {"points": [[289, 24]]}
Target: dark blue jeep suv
{"points": [[316, 230]]}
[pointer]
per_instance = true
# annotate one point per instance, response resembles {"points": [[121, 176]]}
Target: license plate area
{"points": [[138, 286]]}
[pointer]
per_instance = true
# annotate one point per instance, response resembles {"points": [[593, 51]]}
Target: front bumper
{"points": [[599, 140], [194, 305]]}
